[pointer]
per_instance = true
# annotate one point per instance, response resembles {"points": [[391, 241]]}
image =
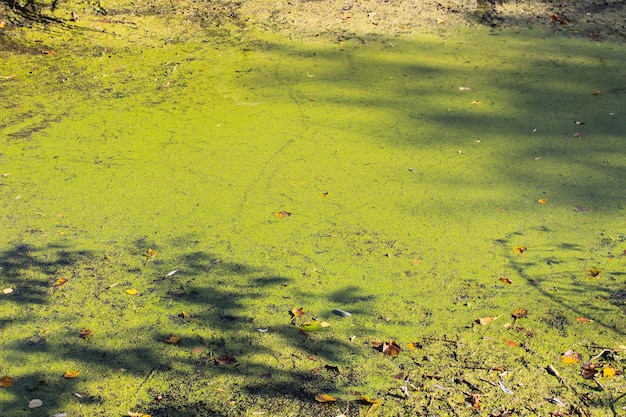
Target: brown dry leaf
{"points": [[6, 381], [85, 333], [584, 320], [570, 357], [391, 348], [486, 320], [596, 93], [519, 249], [225, 360], [70, 374], [519, 313], [282, 214], [505, 280], [325, 398], [590, 369], [593, 272], [298, 312], [511, 343], [475, 399], [59, 282], [132, 291], [172, 338]]}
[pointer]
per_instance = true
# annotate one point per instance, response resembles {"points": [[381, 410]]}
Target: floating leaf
{"points": [[578, 134], [226, 360], [172, 338], [132, 291], [415, 345], [6, 381], [475, 399], [511, 343], [505, 280], [486, 320], [325, 398], [282, 214], [35, 403], [593, 272], [85, 333], [542, 201], [311, 326], [519, 249], [368, 400], [519, 313], [570, 357], [131, 414], [465, 89], [70, 374], [590, 369], [7, 291], [298, 312], [584, 320], [391, 348], [59, 282]]}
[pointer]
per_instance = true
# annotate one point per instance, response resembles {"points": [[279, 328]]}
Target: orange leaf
{"points": [[519, 249], [282, 214], [511, 343], [172, 338], [570, 357], [325, 398], [506, 280], [542, 201], [85, 333], [6, 381], [69, 374], [391, 348], [584, 320], [475, 398], [486, 320], [59, 282]]}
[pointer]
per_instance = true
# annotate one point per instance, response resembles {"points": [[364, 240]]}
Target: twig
{"points": [[454, 342]]}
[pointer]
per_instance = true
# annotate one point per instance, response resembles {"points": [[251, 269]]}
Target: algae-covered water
{"points": [[392, 179]]}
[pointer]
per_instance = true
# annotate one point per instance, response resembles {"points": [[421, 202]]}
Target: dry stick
{"points": [[552, 371], [454, 342]]}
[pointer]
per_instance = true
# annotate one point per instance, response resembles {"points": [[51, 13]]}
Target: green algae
{"points": [[407, 196]]}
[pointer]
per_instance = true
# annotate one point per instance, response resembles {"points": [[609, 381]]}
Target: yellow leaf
{"points": [[131, 414], [593, 272], [519, 249], [173, 339], [368, 400], [519, 313], [325, 398], [608, 371], [570, 357], [59, 282], [85, 333], [69, 374], [542, 201], [150, 254], [132, 291], [6, 381], [298, 312], [282, 214]]}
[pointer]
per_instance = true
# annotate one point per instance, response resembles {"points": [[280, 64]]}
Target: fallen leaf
{"points": [[609, 371], [324, 194], [589, 370], [596, 93], [59, 282], [584, 320], [311, 326], [579, 122], [282, 214], [131, 414], [593, 272], [150, 254], [7, 291], [225, 360], [197, 349], [578, 134], [417, 261], [465, 89], [368, 400], [486, 320], [475, 102], [132, 291], [70, 374], [325, 398], [415, 345], [542, 201], [391, 348], [298, 312], [570, 357], [511, 343], [519, 249], [475, 399], [169, 274], [519, 313], [35, 403], [6, 381], [504, 388], [172, 338], [85, 333], [505, 280]]}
